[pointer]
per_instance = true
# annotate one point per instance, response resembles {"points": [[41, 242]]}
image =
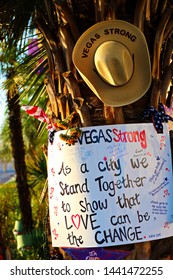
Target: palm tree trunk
{"points": [[19, 159]]}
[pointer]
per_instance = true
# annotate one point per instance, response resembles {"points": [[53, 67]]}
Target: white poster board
{"points": [[112, 187]]}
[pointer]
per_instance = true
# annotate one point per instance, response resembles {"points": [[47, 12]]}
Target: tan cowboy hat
{"points": [[113, 59]]}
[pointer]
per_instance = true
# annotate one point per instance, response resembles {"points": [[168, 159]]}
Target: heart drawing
{"points": [[76, 220], [55, 234]]}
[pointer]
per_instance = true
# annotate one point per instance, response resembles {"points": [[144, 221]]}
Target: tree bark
{"points": [[19, 160]]}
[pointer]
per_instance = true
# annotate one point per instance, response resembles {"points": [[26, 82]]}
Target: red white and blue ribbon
{"points": [[39, 114], [158, 117]]}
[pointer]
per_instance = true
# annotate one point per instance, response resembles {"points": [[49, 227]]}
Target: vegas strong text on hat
{"points": [[113, 59]]}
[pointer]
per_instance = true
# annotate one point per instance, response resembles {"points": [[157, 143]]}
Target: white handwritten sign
{"points": [[113, 187]]}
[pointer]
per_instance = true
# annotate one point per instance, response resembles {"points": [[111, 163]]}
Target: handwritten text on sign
{"points": [[113, 187]]}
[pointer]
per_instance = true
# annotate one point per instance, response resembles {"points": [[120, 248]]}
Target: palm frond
{"points": [[16, 18], [37, 171]]}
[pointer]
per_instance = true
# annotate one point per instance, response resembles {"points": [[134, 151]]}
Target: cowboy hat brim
{"points": [[131, 37]]}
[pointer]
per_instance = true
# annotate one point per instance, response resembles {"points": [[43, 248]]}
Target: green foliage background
{"points": [[10, 212]]}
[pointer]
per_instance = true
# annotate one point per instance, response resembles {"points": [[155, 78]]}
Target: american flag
{"points": [[37, 113]]}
